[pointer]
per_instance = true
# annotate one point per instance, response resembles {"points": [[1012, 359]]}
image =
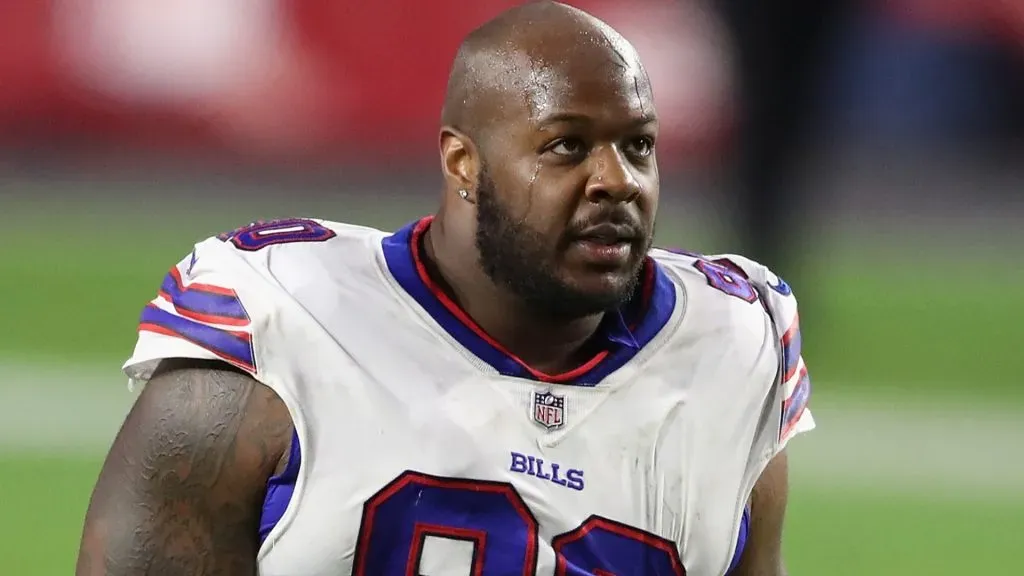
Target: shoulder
{"points": [[740, 276], [226, 292], [253, 244], [728, 292], [256, 236], [744, 283], [297, 238], [735, 276], [308, 256], [275, 251]]}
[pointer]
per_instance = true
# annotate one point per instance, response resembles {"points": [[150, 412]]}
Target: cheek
{"points": [[515, 178], [651, 195], [651, 202], [554, 205], [549, 196]]}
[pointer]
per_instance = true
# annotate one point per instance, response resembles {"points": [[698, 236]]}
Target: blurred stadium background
{"points": [[130, 129]]}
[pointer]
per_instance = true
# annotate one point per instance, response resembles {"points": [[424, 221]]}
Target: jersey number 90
{"points": [[497, 533], [259, 235]]}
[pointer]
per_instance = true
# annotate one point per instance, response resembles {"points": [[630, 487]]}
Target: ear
{"points": [[460, 160]]}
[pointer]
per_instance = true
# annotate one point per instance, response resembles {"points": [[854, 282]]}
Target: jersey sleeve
{"points": [[780, 303], [197, 313]]}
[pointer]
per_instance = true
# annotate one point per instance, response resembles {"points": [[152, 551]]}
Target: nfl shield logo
{"points": [[548, 410]]}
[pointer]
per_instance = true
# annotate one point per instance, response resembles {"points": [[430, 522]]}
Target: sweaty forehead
{"points": [[578, 70]]}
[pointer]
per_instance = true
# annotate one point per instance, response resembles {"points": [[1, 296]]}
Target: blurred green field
{"points": [[884, 324]]}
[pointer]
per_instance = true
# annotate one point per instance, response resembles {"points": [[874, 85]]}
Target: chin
{"points": [[607, 290]]}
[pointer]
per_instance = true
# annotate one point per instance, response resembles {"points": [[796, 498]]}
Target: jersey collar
{"points": [[626, 330]]}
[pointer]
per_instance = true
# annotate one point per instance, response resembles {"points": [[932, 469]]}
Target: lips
{"points": [[608, 234], [607, 246]]}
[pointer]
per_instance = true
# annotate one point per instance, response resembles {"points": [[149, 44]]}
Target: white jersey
{"points": [[423, 447]]}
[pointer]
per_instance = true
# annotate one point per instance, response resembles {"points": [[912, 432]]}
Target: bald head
{"points": [[525, 53]]}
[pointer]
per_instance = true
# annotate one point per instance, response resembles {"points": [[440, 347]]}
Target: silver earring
{"points": [[464, 194]]}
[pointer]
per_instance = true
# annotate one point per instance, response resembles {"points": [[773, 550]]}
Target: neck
{"points": [[545, 343]]}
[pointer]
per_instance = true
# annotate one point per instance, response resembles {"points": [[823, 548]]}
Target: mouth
{"points": [[608, 235], [606, 245]]}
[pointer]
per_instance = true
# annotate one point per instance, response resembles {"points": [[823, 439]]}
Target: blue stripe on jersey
{"points": [[741, 540], [203, 300], [792, 343], [796, 402], [280, 489], [235, 348], [401, 262]]}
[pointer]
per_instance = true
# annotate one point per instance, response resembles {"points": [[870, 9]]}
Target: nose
{"points": [[611, 178]]}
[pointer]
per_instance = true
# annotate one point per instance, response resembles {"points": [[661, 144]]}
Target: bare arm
{"points": [[763, 553], [182, 487]]}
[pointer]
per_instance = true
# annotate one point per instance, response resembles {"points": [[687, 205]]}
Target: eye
{"points": [[567, 147], [641, 147]]}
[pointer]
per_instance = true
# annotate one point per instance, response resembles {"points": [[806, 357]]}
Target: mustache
{"points": [[622, 218]]}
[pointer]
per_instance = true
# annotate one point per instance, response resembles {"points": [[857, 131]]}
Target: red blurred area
{"points": [[308, 79], [1000, 18]]}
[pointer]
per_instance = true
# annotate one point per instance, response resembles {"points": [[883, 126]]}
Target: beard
{"points": [[517, 257]]}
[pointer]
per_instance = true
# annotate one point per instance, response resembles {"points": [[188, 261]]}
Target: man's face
{"points": [[568, 188]]}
